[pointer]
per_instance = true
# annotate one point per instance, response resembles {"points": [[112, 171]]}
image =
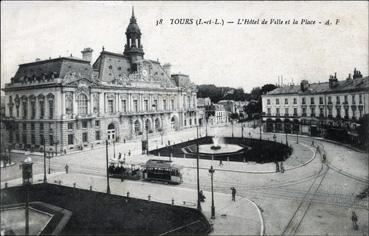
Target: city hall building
{"points": [[315, 108], [71, 103]]}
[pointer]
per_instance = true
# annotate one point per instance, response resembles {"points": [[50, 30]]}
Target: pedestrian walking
{"points": [[129, 153], [66, 168], [119, 156], [312, 142], [324, 158], [354, 221], [281, 167], [233, 194], [276, 167], [220, 162]]}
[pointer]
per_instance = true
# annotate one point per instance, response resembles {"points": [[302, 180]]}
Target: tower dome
{"points": [[133, 48]]}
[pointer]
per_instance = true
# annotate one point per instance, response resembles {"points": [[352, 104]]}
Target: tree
{"points": [[267, 88], [363, 130]]}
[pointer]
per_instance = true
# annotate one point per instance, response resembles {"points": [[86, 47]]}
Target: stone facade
{"points": [[70, 103], [312, 108]]}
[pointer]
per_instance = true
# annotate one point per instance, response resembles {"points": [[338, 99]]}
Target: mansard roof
{"points": [[349, 85], [57, 68]]}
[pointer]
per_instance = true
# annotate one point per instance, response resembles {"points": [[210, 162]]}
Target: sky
{"points": [[230, 55]]}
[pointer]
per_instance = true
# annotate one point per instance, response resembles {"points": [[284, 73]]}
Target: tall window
{"points": [[303, 100], [110, 106], [68, 104], [330, 111], [329, 100], [338, 100], [82, 104], [172, 104], [268, 101], [42, 139], [320, 100], [97, 135], [360, 99], [304, 111], [312, 112], [353, 99], [277, 111], [70, 139], [41, 127], [33, 110], [84, 124], [25, 110], [277, 101], [51, 109], [33, 139], [295, 111], [165, 104], [124, 105], [155, 105], [85, 137], [346, 98], [51, 139], [135, 105], [312, 101], [286, 101], [294, 100], [286, 111], [70, 125], [269, 109], [321, 113], [146, 105], [338, 112], [42, 109], [346, 113]]}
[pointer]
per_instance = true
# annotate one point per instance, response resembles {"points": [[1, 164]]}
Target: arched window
{"points": [[82, 104], [137, 126]]}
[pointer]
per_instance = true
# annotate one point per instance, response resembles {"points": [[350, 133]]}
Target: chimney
{"points": [[333, 81], [304, 85], [166, 68], [87, 54]]}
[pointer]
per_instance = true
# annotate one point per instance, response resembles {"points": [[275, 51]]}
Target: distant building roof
{"points": [[348, 85]]}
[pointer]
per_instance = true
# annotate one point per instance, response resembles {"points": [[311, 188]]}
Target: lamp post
{"points": [[162, 134], [297, 133], [197, 169], [261, 123], [242, 131], [211, 171], [27, 181], [107, 168], [49, 162], [147, 139], [114, 147], [285, 130], [232, 128], [45, 178]]}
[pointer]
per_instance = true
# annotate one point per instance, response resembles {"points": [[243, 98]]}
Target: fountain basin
{"points": [[225, 148]]}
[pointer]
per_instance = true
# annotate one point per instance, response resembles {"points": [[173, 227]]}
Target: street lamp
{"points": [[297, 133], [232, 128], [211, 171], [114, 147], [27, 181], [197, 169], [49, 157], [107, 168], [45, 178], [242, 130]]}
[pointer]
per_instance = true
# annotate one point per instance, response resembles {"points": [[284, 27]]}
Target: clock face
{"points": [[144, 73]]}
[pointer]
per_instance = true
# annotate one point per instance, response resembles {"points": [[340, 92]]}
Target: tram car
{"points": [[163, 171], [124, 171]]}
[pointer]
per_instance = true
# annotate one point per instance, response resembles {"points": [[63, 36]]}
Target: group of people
{"points": [[233, 191]]}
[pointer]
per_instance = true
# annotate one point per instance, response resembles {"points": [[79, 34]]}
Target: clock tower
{"points": [[133, 48]]}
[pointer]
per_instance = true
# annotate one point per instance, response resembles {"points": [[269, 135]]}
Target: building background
{"points": [[69, 103], [319, 109]]}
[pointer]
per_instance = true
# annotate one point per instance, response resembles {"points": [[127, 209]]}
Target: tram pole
{"points": [[107, 168], [45, 178], [211, 171], [197, 170]]}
